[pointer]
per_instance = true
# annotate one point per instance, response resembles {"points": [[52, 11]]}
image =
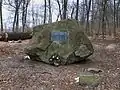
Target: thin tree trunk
{"points": [[60, 14], [50, 13], [100, 19], [36, 17], [1, 19], [114, 20], [23, 16], [45, 10], [87, 23], [77, 8], [16, 17], [117, 14], [33, 19], [83, 13], [17, 21], [103, 18], [57, 17], [13, 29], [65, 9], [107, 23], [72, 13], [92, 17]]}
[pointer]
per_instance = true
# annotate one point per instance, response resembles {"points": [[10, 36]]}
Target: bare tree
{"points": [[1, 19], [50, 13], [92, 16], [82, 18], [65, 8], [88, 11], [104, 3], [77, 8], [45, 10], [16, 5], [24, 13], [117, 14], [33, 13], [73, 8], [60, 12], [114, 32]]}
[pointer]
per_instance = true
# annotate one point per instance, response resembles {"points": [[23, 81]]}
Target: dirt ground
{"points": [[19, 74]]}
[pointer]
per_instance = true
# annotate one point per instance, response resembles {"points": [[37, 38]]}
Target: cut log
{"points": [[2, 37], [15, 36]]}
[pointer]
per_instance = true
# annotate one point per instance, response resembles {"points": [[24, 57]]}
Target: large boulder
{"points": [[59, 43]]}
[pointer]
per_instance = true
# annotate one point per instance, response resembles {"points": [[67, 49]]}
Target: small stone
{"points": [[9, 57], [75, 73], [111, 46], [57, 58], [77, 79], [94, 70], [27, 57], [11, 41], [50, 60], [114, 75], [19, 41], [66, 83], [53, 56], [56, 64], [52, 89], [118, 68], [53, 85], [71, 83]]}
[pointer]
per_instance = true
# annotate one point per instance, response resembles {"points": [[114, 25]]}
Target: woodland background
{"points": [[99, 17]]}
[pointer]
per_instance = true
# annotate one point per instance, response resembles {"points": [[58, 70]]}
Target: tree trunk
{"points": [[92, 17], [60, 14], [114, 32], [13, 29], [1, 19], [24, 13], [16, 17], [87, 22], [57, 17], [17, 21], [117, 14], [50, 13], [103, 18], [72, 13], [107, 22], [45, 10], [83, 13], [23, 16], [64, 9], [77, 8], [33, 19]]}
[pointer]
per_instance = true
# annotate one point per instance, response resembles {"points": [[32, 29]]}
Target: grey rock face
{"points": [[59, 43]]}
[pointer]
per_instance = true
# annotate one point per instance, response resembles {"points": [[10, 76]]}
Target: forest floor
{"points": [[19, 74]]}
